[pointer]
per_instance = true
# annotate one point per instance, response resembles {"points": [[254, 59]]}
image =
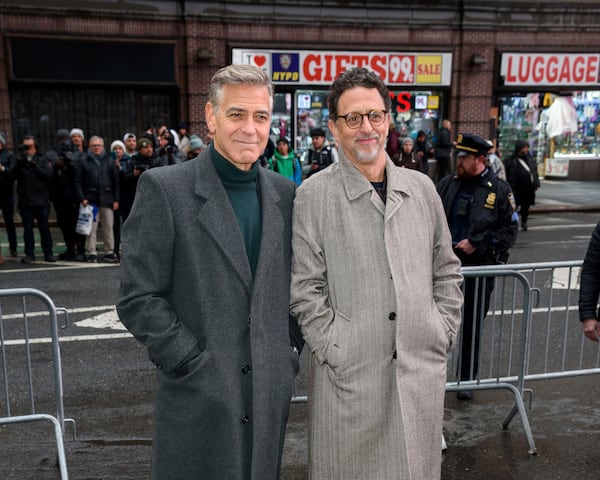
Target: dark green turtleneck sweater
{"points": [[242, 190]]}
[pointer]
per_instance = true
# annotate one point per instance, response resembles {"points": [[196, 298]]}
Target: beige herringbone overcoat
{"points": [[376, 290]]}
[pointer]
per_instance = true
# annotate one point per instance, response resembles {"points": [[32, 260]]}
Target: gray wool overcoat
{"points": [[186, 286], [376, 290]]}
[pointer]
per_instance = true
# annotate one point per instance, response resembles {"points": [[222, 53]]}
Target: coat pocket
{"points": [[339, 347], [449, 331]]}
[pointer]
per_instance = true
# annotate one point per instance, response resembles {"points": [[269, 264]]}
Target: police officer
{"points": [[321, 154], [483, 222]]}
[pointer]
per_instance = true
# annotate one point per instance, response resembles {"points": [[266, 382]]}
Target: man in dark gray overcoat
{"points": [[205, 279]]}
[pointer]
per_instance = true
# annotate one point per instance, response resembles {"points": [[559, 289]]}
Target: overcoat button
{"points": [[249, 320], [245, 419], [392, 316], [246, 369]]}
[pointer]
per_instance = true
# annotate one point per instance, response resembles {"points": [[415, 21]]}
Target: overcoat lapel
{"points": [[396, 190], [216, 215], [272, 227]]}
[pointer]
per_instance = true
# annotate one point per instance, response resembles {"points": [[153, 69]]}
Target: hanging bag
{"points": [[85, 219]]}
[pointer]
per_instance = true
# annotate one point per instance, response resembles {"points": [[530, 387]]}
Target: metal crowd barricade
{"points": [[24, 360], [557, 346], [503, 340]]}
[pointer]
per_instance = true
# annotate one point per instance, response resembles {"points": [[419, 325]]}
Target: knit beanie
{"points": [[117, 143], [196, 142], [77, 131]]}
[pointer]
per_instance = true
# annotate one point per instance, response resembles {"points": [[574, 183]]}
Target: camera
{"points": [[23, 148], [66, 150]]}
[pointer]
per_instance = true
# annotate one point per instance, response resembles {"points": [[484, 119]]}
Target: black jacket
{"points": [[62, 188], [490, 211], [33, 180], [98, 182], [589, 289], [7, 160], [443, 146], [523, 182]]}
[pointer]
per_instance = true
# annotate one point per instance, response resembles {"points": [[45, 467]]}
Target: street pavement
{"points": [[108, 390], [566, 195]]}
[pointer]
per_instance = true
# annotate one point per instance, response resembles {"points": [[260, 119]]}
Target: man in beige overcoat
{"points": [[376, 290]]}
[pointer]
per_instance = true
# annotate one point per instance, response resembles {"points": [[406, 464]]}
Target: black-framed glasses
{"points": [[355, 120]]}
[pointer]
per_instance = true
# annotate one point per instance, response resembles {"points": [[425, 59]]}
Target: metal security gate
{"points": [[503, 340], [105, 111], [30, 369]]}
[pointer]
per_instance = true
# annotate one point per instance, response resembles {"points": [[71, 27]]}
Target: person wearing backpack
{"points": [[285, 162]]}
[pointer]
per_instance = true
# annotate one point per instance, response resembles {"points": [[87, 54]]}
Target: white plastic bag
{"points": [[85, 219]]}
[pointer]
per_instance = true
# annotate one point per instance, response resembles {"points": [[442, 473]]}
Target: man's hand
{"points": [[591, 329], [465, 246]]}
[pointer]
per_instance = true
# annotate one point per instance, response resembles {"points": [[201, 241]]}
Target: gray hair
{"points": [[237, 74]]}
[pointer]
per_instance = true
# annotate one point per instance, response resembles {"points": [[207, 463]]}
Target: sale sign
{"points": [[545, 69], [317, 67]]}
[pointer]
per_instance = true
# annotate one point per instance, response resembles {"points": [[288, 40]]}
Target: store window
{"points": [[417, 110], [281, 120], [311, 112], [527, 117]]}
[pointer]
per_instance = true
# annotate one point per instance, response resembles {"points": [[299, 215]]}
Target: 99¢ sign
{"points": [[401, 69]]}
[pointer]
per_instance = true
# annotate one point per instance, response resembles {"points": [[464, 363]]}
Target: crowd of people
{"points": [[76, 172]]}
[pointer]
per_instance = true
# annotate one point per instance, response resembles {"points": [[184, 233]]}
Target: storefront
{"points": [[418, 81], [553, 101]]}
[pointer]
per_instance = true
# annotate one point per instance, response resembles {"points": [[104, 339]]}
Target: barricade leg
{"points": [[58, 434]]}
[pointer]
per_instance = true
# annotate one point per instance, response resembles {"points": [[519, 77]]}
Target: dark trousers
{"points": [[442, 168], [524, 212], [40, 214], [476, 305], [7, 204], [117, 232], [66, 218]]}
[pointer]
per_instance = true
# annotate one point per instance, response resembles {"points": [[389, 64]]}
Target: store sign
{"points": [[544, 69], [316, 67]]}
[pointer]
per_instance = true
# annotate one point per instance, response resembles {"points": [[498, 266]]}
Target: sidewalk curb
{"points": [[564, 208]]}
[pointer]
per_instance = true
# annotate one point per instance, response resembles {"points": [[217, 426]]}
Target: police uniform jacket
{"points": [[492, 223]]}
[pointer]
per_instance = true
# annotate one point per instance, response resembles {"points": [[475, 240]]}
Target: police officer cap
{"points": [[467, 143], [317, 132], [143, 142]]}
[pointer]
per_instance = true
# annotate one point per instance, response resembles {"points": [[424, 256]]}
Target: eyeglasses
{"points": [[355, 120], [96, 145]]}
